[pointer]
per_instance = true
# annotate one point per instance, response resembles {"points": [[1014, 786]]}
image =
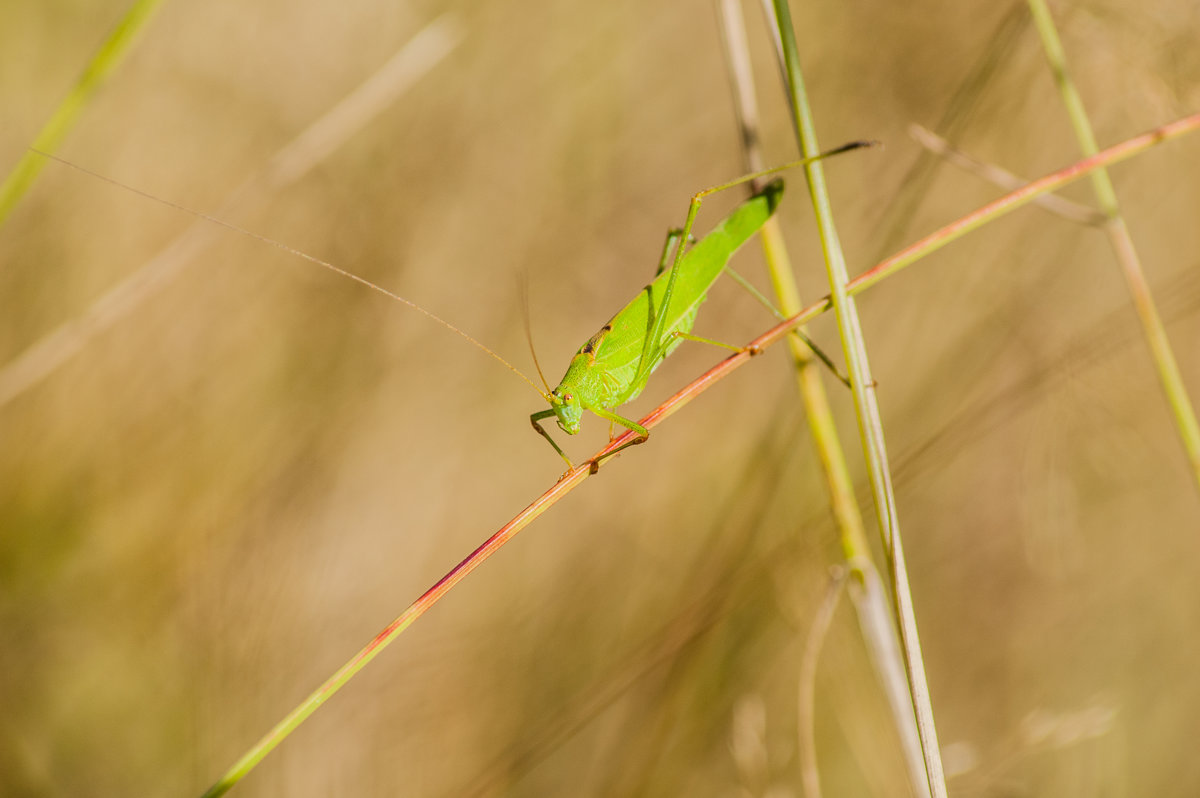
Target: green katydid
{"points": [[614, 365]]}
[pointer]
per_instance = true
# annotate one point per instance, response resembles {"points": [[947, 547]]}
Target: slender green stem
{"points": [[1122, 243], [871, 604], [106, 59], [866, 407], [832, 456]]}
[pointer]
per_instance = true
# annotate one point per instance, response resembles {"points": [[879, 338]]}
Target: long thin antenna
{"points": [[300, 254], [525, 317]]}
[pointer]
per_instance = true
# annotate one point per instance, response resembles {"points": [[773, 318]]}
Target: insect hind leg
{"points": [[673, 240], [816, 350], [693, 210], [633, 426]]}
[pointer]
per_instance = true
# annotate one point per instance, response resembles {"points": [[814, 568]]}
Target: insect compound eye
{"points": [[566, 397]]}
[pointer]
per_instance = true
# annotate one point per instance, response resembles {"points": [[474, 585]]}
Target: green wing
{"points": [[617, 353]]}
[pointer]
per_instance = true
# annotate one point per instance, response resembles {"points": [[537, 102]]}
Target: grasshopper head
{"points": [[567, 409]]}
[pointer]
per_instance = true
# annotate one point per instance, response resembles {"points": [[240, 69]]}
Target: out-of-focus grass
{"points": [[233, 489], [91, 78]]}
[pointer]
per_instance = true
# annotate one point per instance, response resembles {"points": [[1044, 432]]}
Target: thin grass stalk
{"points": [[872, 607], [783, 280], [1002, 178], [997, 52], [574, 478], [1153, 329], [1016, 199], [810, 773], [866, 407], [103, 63]]}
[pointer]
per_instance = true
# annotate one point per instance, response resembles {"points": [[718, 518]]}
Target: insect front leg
{"points": [[538, 416]]}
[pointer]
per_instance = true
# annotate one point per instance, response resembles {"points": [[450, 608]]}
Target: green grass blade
{"points": [[1182, 410], [106, 60], [868, 597], [866, 406]]}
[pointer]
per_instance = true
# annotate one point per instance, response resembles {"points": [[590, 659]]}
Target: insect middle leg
{"points": [[689, 337]]}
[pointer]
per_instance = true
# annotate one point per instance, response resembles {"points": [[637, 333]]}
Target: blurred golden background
{"points": [[257, 464]]}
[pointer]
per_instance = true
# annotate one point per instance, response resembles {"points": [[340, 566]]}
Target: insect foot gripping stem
{"points": [[640, 439], [534, 419]]}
